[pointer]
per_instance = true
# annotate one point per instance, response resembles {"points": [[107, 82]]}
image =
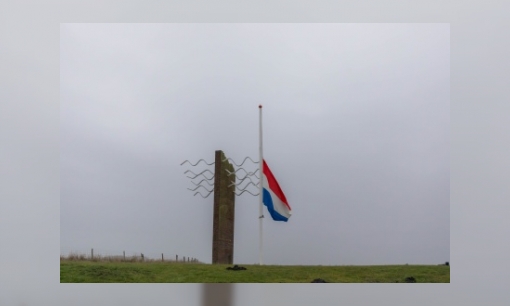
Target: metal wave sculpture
{"points": [[239, 190], [247, 176], [205, 179]]}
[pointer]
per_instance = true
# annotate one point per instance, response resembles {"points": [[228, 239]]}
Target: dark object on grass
{"points": [[447, 263], [319, 280], [236, 268], [410, 280]]}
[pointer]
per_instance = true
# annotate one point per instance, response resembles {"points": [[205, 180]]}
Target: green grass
{"points": [[177, 272]]}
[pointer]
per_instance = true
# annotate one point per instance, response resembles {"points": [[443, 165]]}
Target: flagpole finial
{"points": [[260, 105]]}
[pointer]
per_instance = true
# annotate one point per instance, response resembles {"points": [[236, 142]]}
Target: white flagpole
{"points": [[261, 159]]}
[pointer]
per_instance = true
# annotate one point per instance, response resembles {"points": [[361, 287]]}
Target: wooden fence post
{"points": [[176, 257], [124, 254], [92, 253], [162, 259]]}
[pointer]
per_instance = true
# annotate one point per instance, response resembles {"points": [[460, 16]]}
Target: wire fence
{"points": [[136, 257]]}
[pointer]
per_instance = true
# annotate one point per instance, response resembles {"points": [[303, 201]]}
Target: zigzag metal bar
{"points": [[198, 192], [199, 187], [197, 162], [238, 184], [251, 173], [204, 180], [238, 169], [208, 178], [201, 173], [247, 173], [244, 188], [238, 194], [229, 172], [230, 159]]}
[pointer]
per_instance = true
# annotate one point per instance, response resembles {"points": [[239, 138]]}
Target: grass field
{"points": [[78, 271]]}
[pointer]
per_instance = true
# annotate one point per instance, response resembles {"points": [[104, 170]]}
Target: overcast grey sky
{"points": [[356, 130]]}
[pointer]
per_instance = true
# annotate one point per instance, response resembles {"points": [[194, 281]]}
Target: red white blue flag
{"points": [[273, 197]]}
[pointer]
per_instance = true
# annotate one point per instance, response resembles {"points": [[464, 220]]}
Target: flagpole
{"points": [[261, 159]]}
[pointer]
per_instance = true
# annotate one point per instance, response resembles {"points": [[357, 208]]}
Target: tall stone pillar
{"points": [[224, 211]]}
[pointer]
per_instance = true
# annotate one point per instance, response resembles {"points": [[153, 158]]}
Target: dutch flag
{"points": [[273, 197]]}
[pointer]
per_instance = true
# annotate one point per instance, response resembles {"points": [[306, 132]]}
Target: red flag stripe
{"points": [[273, 184]]}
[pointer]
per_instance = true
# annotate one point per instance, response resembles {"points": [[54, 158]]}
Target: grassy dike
{"points": [[173, 272]]}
